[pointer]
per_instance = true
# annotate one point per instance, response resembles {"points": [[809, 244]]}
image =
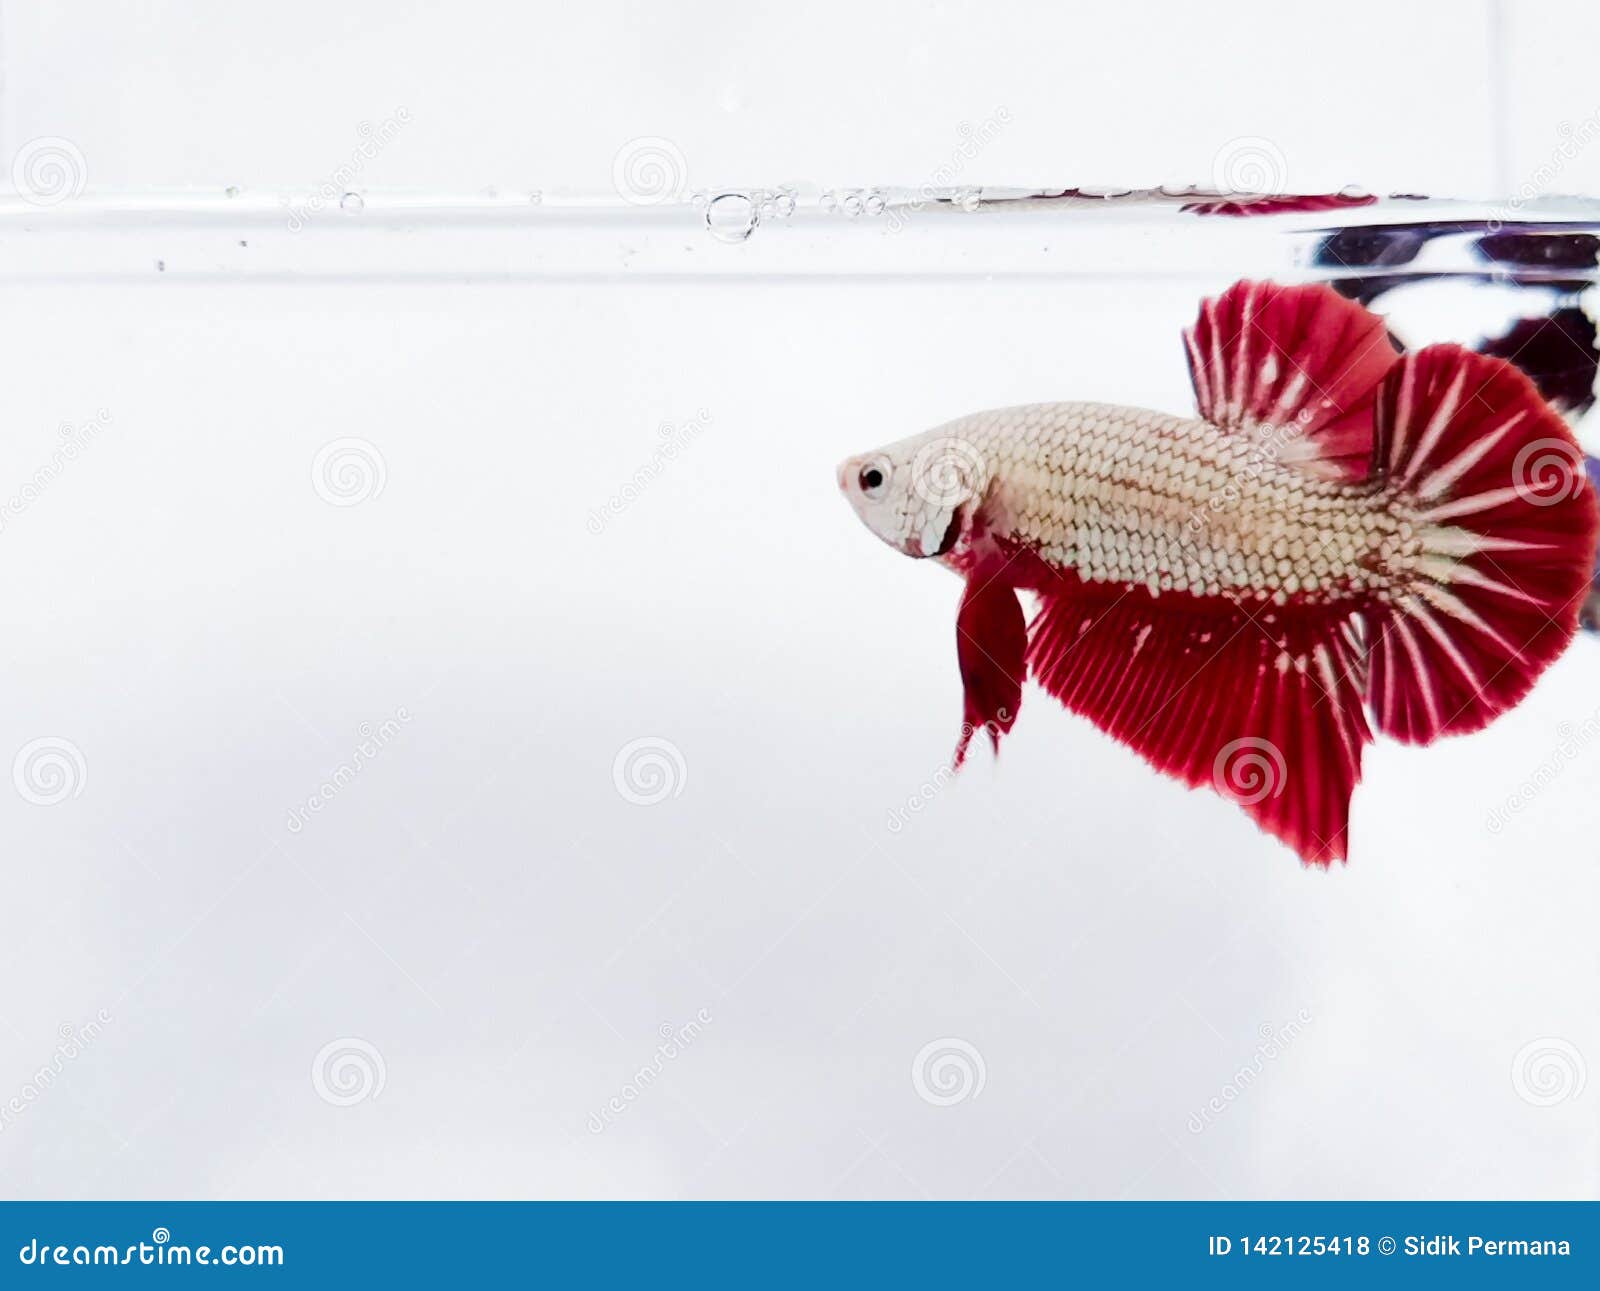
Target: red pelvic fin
{"points": [[1302, 362], [1493, 485], [1265, 710], [991, 646]]}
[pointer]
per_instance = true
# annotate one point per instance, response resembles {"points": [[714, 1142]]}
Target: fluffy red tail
{"points": [[1497, 540]]}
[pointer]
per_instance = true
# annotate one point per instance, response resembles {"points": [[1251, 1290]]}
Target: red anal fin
{"points": [[1302, 361], [991, 647], [1265, 710]]}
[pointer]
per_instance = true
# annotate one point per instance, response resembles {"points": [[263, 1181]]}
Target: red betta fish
{"points": [[1345, 539]]}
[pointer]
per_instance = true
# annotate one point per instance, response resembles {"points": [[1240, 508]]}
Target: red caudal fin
{"points": [[1265, 709], [1299, 363], [1497, 541], [991, 646]]}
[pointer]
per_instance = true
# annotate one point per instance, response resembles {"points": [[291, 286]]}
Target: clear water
{"points": [[534, 500]]}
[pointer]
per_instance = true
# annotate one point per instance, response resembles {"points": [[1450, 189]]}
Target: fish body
{"points": [[1342, 539], [1124, 497]]}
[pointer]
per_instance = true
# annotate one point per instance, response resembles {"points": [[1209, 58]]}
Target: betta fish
{"points": [[1345, 540]]}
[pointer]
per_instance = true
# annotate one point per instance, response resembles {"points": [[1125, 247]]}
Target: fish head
{"points": [[920, 494]]}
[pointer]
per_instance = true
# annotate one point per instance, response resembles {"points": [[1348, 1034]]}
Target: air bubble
{"points": [[966, 199], [731, 217], [874, 203], [352, 203]]}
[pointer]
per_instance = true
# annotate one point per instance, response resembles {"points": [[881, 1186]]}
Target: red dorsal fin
{"points": [[1266, 710], [1492, 486], [991, 647], [1303, 362]]}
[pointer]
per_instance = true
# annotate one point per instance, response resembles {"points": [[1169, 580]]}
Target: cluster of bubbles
{"points": [[734, 215], [854, 201]]}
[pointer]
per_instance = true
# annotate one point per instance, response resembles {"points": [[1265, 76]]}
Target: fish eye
{"points": [[872, 480]]}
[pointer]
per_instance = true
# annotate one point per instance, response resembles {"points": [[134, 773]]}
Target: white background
{"points": [[480, 906]]}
